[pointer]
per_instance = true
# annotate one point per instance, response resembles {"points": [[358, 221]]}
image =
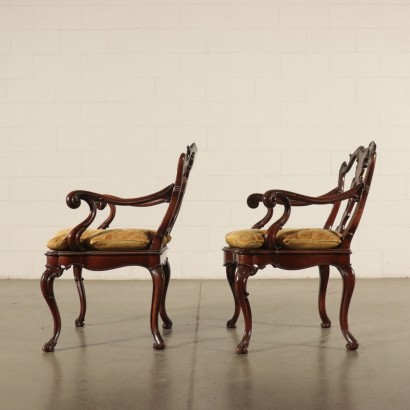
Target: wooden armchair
{"points": [[102, 249], [253, 249]]}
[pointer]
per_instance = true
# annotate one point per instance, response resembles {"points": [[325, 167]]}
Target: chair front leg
{"points": [[77, 270], [241, 278], [348, 277], [47, 289], [324, 279], [158, 286], [162, 311], [230, 276]]}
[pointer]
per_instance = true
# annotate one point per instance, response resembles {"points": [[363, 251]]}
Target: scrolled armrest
{"points": [[270, 198], [74, 198], [98, 201], [288, 199]]}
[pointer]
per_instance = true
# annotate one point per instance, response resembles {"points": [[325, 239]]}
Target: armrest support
{"points": [[278, 224]]}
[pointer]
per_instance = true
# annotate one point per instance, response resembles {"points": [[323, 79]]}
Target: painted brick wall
{"points": [[103, 95]]}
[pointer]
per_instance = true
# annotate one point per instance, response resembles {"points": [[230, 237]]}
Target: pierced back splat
{"points": [[365, 159]]}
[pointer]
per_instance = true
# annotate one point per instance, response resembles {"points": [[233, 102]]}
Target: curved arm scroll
{"points": [[253, 202]]}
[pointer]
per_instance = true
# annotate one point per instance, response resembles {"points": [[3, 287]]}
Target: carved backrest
{"points": [[185, 164], [365, 160]]}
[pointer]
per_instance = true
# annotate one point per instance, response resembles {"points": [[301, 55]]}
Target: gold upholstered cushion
{"points": [[59, 241], [309, 238], [107, 239], [246, 238]]}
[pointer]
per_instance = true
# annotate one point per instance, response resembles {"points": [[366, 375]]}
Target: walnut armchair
{"points": [[102, 249], [252, 249]]}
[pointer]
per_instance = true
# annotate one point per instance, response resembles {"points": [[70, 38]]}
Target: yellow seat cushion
{"points": [[107, 239], [59, 241], [246, 238], [308, 238]]}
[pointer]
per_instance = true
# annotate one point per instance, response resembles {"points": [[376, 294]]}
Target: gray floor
{"points": [[292, 362]]}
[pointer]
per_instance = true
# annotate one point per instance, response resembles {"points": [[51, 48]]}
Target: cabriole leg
{"points": [[348, 277], [163, 313], [47, 288], [158, 283], [241, 278], [77, 270], [230, 276], [324, 278]]}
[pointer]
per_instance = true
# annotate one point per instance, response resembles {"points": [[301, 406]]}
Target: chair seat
{"points": [[287, 238], [107, 239]]}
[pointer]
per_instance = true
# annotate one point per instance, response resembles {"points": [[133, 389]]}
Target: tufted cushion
{"points": [[107, 239], [309, 238]]}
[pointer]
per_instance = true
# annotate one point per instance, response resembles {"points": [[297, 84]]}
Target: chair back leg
{"points": [[79, 281], [230, 276], [324, 279], [348, 277], [158, 286], [162, 311]]}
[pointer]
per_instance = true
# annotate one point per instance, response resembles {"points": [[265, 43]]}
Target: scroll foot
{"points": [[159, 345], [242, 348], [49, 346], [79, 323], [353, 345], [231, 324]]}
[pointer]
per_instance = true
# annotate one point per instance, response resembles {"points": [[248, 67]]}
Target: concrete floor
{"points": [[292, 362]]}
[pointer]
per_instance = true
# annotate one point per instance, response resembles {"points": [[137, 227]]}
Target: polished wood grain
{"points": [[154, 259], [241, 264]]}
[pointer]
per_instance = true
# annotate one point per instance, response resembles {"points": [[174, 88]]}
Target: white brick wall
{"points": [[276, 94]]}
